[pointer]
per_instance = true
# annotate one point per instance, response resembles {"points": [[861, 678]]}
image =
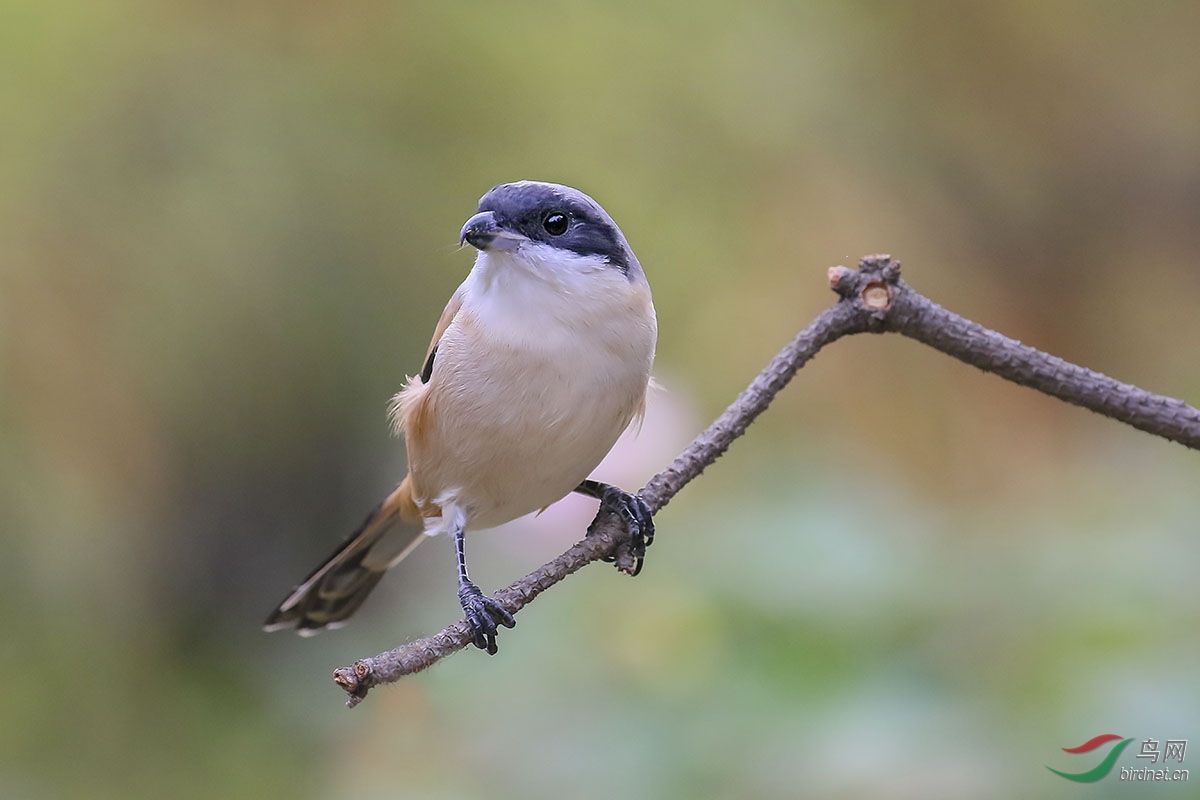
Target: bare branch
{"points": [[873, 298]]}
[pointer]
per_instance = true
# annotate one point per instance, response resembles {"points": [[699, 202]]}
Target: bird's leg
{"points": [[631, 508], [483, 613]]}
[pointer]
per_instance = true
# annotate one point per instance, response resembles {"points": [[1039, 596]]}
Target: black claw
{"points": [[636, 515], [483, 615]]}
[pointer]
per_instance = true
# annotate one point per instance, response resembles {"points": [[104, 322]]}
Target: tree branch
{"points": [[874, 299]]}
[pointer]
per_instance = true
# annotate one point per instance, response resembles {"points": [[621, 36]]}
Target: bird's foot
{"points": [[638, 519], [483, 616]]}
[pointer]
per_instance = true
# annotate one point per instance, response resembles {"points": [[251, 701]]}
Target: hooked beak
{"points": [[483, 233]]}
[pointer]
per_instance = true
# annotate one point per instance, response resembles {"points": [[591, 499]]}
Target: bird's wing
{"points": [[405, 403], [447, 317]]}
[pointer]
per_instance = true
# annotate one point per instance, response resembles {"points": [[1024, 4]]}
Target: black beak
{"points": [[480, 231], [483, 233]]}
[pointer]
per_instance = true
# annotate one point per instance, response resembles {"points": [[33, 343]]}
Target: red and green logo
{"points": [[1104, 767]]}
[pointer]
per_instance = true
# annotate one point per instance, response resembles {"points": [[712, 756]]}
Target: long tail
{"points": [[335, 589]]}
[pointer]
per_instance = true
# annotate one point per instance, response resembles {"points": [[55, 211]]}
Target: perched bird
{"points": [[539, 362]]}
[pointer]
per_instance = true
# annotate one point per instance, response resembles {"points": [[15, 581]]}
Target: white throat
{"points": [[538, 288]]}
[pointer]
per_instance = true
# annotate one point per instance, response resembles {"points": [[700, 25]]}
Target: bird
{"points": [[540, 360]]}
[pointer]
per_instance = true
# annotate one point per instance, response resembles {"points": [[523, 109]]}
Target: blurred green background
{"points": [[227, 229]]}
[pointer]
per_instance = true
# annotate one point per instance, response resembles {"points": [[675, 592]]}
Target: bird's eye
{"points": [[555, 223]]}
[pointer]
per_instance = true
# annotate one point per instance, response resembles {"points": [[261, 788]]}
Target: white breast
{"points": [[543, 367]]}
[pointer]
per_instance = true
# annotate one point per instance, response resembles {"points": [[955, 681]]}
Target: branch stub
{"points": [[875, 296]]}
